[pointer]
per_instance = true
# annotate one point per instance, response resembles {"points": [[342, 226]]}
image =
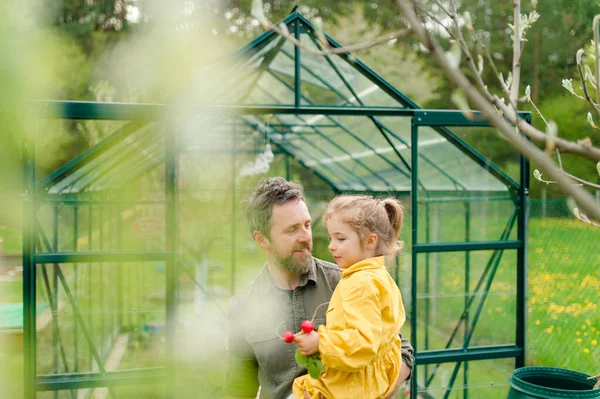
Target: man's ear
{"points": [[371, 241], [261, 240]]}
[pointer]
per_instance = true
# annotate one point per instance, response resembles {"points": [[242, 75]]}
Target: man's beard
{"points": [[296, 266]]}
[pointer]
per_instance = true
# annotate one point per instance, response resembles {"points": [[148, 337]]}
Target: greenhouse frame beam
{"points": [[49, 382], [91, 257], [465, 355], [116, 111], [468, 246]]}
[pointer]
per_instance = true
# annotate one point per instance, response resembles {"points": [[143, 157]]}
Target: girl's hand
{"points": [[307, 343]]}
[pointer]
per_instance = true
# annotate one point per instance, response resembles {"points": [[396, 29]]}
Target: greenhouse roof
{"points": [[350, 150]]}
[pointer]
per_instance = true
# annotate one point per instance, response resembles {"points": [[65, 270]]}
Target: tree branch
{"points": [[340, 50], [516, 67], [565, 146]]}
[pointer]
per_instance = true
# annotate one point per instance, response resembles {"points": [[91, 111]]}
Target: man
{"points": [[290, 289]]}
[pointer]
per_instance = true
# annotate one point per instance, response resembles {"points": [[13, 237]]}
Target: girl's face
{"points": [[344, 243]]}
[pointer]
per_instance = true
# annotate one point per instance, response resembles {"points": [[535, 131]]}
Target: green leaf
{"points": [[590, 119], [598, 167], [454, 55], [551, 133], [301, 359], [318, 25], [479, 63], [315, 366], [459, 98], [579, 55]]}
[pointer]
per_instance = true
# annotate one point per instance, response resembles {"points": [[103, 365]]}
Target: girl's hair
{"points": [[367, 215]]}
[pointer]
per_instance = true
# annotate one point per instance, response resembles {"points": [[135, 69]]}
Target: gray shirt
{"points": [[260, 314]]}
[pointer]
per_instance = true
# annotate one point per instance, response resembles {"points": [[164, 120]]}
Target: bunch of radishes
{"points": [[311, 362], [306, 326]]}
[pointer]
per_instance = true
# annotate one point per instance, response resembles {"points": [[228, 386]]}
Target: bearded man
{"points": [[289, 290]]}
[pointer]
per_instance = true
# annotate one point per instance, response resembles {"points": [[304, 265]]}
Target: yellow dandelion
{"points": [[578, 333], [579, 340], [539, 250], [586, 350], [594, 342], [537, 322], [549, 329]]}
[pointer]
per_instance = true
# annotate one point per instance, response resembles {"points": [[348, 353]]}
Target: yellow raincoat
{"points": [[359, 345]]}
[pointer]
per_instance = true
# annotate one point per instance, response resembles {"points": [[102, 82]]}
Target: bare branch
{"points": [[596, 57], [586, 94], [580, 195], [440, 5], [565, 146], [344, 49], [516, 67]]}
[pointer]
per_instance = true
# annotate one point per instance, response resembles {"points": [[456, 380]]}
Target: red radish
{"points": [[307, 326], [288, 337]]}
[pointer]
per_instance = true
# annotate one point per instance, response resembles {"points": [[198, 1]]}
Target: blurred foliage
{"points": [[569, 114], [564, 27]]}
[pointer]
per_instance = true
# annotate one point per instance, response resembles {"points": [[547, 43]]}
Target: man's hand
{"points": [[307, 343]]}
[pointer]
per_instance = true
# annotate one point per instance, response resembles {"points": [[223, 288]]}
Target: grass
{"points": [[563, 328]]}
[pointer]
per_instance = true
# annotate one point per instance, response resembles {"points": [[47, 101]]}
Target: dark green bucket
{"points": [[551, 383]]}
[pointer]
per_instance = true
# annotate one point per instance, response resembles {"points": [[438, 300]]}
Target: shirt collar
{"points": [[266, 283], [365, 264]]}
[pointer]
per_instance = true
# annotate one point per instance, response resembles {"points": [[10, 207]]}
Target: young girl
{"points": [[359, 345]]}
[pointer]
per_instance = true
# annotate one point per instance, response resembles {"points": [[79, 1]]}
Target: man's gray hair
{"points": [[269, 192]]}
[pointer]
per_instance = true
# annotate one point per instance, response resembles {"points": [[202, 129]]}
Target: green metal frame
{"points": [[465, 354], [86, 171]]}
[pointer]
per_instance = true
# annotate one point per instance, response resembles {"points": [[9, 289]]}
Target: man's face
{"points": [[290, 244]]}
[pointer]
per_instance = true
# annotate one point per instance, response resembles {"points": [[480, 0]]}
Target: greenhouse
{"points": [[130, 239]]}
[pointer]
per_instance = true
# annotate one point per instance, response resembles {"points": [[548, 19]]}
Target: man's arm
{"points": [[408, 359], [241, 380]]}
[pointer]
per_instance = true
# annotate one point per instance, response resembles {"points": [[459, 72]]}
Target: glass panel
{"points": [[345, 84], [117, 315], [231, 85], [101, 223], [54, 138], [443, 166], [107, 164], [455, 217], [487, 142], [475, 379], [458, 287]]}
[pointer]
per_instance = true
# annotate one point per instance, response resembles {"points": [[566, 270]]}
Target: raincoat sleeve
{"points": [[351, 340]]}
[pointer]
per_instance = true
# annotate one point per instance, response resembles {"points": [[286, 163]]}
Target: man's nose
{"points": [[306, 235]]}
